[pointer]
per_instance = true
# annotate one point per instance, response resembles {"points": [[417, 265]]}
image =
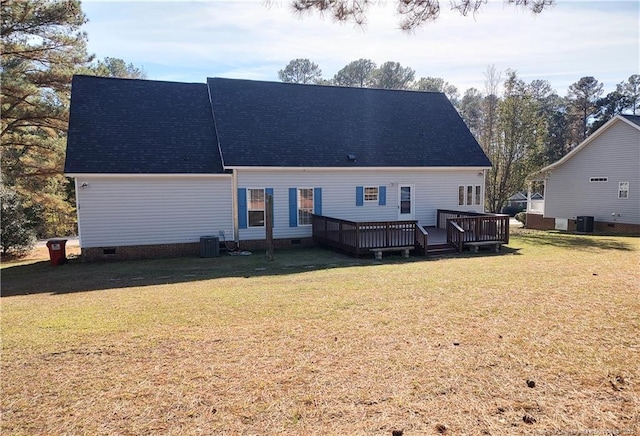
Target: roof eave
{"points": [[354, 168]]}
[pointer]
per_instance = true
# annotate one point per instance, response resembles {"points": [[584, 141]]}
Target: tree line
{"points": [[42, 47], [521, 126]]}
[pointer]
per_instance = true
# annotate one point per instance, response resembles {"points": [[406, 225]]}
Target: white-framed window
{"points": [[469, 195], [623, 190], [598, 179], [371, 193], [255, 207], [305, 206]]}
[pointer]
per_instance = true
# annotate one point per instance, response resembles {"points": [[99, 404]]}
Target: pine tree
{"points": [[300, 71], [42, 46]]}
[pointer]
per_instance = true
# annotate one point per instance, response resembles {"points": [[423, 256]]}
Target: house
{"points": [[518, 202], [597, 185], [158, 165]]}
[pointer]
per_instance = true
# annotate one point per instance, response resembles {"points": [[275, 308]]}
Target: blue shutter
{"points": [[359, 196], [242, 208], [317, 201], [293, 207], [269, 191], [382, 196]]}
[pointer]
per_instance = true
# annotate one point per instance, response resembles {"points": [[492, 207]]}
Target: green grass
{"points": [[319, 343]]}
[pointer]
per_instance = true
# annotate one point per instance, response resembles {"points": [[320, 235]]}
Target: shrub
{"points": [[522, 217], [511, 210], [18, 236]]}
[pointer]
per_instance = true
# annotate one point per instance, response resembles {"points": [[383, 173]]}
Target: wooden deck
{"points": [[455, 230]]}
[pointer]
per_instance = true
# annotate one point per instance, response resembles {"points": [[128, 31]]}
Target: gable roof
{"points": [[126, 126], [272, 124], [632, 120]]}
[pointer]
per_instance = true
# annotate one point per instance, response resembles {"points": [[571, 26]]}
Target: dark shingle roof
{"points": [[127, 126], [635, 119], [278, 124], [123, 126]]}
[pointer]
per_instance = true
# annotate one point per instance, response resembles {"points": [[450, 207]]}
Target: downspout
{"points": [[75, 183], [234, 206], [484, 189]]}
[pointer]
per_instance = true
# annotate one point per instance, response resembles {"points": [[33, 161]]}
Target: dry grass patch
{"points": [[317, 343]]}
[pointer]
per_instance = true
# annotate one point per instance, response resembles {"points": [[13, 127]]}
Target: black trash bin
{"points": [[209, 246], [584, 224]]}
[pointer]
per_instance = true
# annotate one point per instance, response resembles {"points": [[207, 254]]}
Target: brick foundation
{"points": [[538, 222], [179, 250]]}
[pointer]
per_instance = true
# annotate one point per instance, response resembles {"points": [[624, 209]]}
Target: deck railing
{"points": [[465, 227], [359, 238], [455, 235], [421, 240]]}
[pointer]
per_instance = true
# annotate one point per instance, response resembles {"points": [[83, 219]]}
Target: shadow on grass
{"points": [[576, 241], [40, 277]]}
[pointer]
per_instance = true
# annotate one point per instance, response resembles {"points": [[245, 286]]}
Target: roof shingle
{"points": [[126, 126], [274, 124], [123, 126]]}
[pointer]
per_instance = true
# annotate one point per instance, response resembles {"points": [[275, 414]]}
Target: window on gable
{"points": [[469, 195], [255, 207], [305, 206], [598, 179], [623, 190], [371, 193]]}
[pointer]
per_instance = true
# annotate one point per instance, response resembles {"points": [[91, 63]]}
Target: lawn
{"points": [[542, 339]]}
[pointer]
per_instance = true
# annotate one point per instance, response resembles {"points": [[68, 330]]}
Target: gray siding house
{"points": [[157, 165], [599, 180]]}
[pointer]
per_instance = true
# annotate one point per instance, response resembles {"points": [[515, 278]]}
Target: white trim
{"points": [[477, 199], [348, 169], [313, 204], [583, 144], [412, 199], [75, 182], [364, 194], [160, 176], [264, 209], [620, 190], [234, 207]]}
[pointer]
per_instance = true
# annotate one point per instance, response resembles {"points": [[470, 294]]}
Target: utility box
{"points": [[209, 246], [57, 251], [584, 224]]}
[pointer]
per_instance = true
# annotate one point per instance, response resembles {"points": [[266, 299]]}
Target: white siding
{"points": [[434, 189], [614, 154], [127, 211]]}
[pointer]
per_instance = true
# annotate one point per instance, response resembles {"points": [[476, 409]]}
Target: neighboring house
{"points": [[518, 202], [157, 165], [596, 185]]}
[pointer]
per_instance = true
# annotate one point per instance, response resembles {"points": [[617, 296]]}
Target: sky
{"points": [[188, 41]]}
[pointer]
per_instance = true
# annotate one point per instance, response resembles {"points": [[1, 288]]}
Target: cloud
{"points": [[250, 40]]}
